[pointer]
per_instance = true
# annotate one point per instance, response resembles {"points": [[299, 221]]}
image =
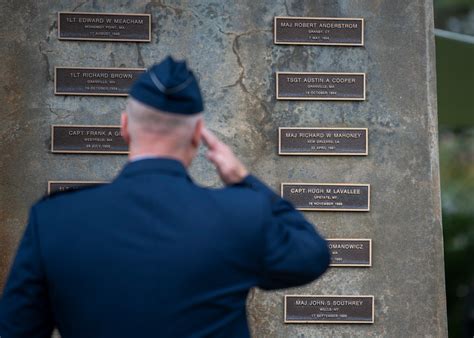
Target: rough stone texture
{"points": [[230, 46]]}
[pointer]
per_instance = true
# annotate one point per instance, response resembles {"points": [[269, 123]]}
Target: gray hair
{"points": [[150, 120]]}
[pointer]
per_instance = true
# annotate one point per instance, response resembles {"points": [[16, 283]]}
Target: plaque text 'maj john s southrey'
{"points": [[323, 141], [350, 252], [59, 186], [95, 81], [329, 309], [320, 86], [327, 196], [319, 31], [104, 26], [87, 139]]}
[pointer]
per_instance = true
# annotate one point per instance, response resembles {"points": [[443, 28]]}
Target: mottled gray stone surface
{"points": [[230, 46]]}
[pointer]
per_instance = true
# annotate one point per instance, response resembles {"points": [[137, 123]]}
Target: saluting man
{"points": [[153, 254]]}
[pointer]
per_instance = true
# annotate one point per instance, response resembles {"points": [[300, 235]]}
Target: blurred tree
{"points": [[455, 78]]}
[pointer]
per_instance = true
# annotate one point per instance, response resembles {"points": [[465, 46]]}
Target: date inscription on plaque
{"points": [[94, 81], [323, 141], [329, 309], [318, 31], [87, 139], [59, 186], [349, 252], [320, 86], [327, 196], [104, 26]]}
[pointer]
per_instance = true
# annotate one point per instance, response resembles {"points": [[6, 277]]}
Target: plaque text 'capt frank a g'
{"points": [[87, 139]]}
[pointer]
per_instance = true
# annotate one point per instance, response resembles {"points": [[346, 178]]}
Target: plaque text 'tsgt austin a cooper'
{"points": [[320, 86]]}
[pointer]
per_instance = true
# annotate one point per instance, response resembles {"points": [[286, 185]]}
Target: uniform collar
{"points": [[159, 165]]}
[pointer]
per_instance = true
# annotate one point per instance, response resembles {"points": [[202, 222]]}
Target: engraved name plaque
{"points": [[320, 86], [87, 139], [327, 196], [349, 252], [318, 31], [104, 26], [322, 309], [59, 186], [323, 141], [94, 81]]}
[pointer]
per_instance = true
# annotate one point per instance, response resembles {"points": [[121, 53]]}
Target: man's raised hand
{"points": [[229, 167]]}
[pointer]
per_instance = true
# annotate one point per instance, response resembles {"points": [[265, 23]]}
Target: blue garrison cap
{"points": [[169, 86]]}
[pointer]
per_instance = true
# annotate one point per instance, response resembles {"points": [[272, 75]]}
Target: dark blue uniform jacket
{"points": [[154, 255]]}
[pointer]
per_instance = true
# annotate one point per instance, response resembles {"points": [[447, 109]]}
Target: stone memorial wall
{"points": [[332, 103]]}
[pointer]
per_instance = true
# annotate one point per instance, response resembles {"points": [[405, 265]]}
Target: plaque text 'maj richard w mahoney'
{"points": [[323, 141]]}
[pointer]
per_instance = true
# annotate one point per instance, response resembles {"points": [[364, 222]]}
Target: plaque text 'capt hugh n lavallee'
{"points": [[329, 309], [87, 139], [104, 26], [320, 86], [319, 31], [327, 196], [95, 81], [323, 141]]}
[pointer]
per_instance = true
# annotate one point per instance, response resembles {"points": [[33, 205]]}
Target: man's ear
{"points": [[197, 134], [124, 127]]}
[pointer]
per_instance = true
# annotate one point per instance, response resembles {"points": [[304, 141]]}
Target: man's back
{"points": [[154, 255]]}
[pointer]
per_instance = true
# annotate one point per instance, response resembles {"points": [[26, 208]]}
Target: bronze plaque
{"points": [[104, 26], [323, 141], [95, 81], [87, 139], [327, 196], [59, 186], [318, 31], [329, 309], [350, 252], [320, 86]]}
